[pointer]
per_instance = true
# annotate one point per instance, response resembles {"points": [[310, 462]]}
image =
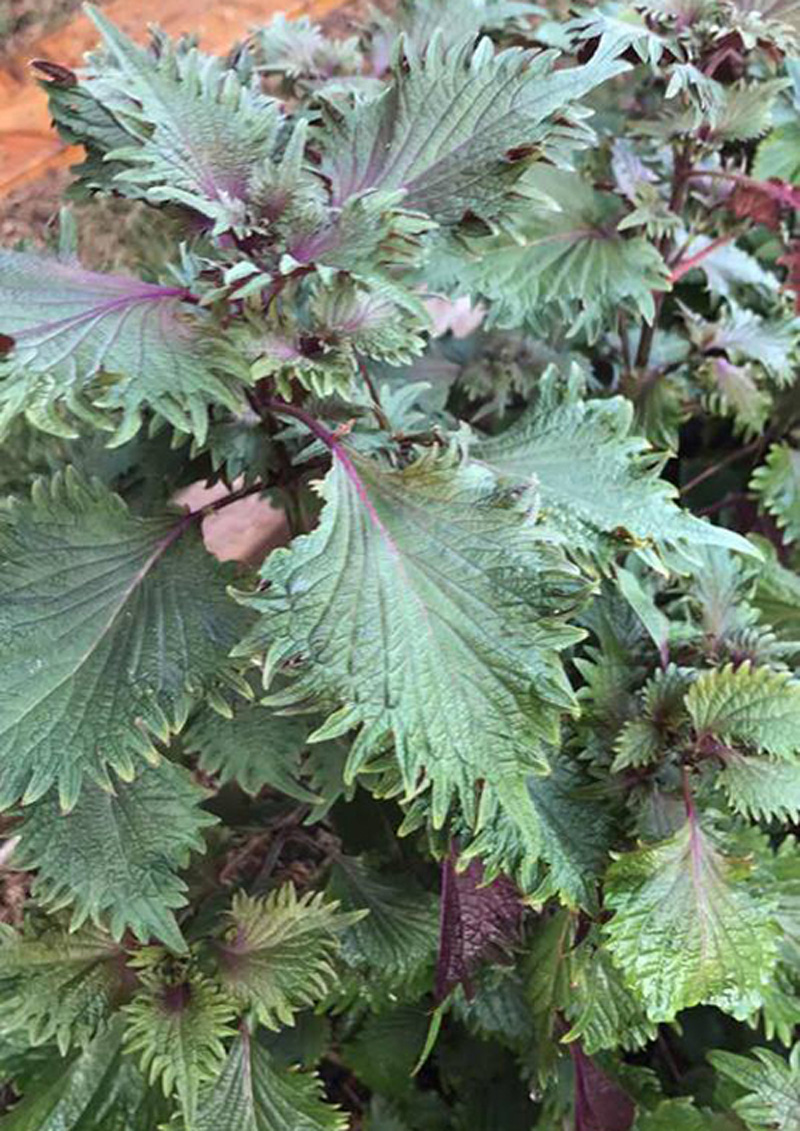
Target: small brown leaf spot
{"points": [[587, 49], [474, 224], [521, 152], [344, 429], [55, 72], [7, 344], [631, 55]]}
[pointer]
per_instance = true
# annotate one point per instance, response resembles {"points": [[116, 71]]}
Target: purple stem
{"points": [[688, 799], [332, 444], [186, 520]]}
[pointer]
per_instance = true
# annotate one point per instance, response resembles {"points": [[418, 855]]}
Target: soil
{"points": [[22, 21], [28, 213]]}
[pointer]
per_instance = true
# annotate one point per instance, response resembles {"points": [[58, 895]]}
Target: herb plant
{"points": [[474, 806]]}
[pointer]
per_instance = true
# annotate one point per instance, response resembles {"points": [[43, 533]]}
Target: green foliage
{"points": [[750, 706], [251, 1094], [176, 1025], [772, 1087], [276, 957], [117, 642], [777, 483], [777, 154], [685, 927], [97, 1087], [449, 164], [146, 353], [647, 737], [386, 1048], [605, 1012], [395, 943], [761, 789], [566, 262], [680, 1113], [61, 987], [116, 854], [195, 132], [467, 800], [571, 832], [254, 748], [597, 483], [469, 599]]}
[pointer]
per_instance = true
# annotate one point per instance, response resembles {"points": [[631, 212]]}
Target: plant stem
{"points": [[377, 407], [186, 520], [677, 199], [311, 423], [688, 797], [226, 500], [727, 501], [646, 341], [685, 265], [331, 442], [622, 330], [669, 1056], [707, 472]]}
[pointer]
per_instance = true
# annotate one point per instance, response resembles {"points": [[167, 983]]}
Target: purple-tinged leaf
{"points": [[83, 341], [734, 391], [478, 922], [688, 928], [600, 1103], [439, 633], [196, 133], [298, 48], [448, 129], [763, 201]]}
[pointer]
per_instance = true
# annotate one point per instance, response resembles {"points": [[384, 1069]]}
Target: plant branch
{"points": [[189, 517], [686, 265], [733, 457], [331, 442], [377, 407], [622, 330], [677, 199], [688, 797], [314, 426], [727, 501], [226, 500]]}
